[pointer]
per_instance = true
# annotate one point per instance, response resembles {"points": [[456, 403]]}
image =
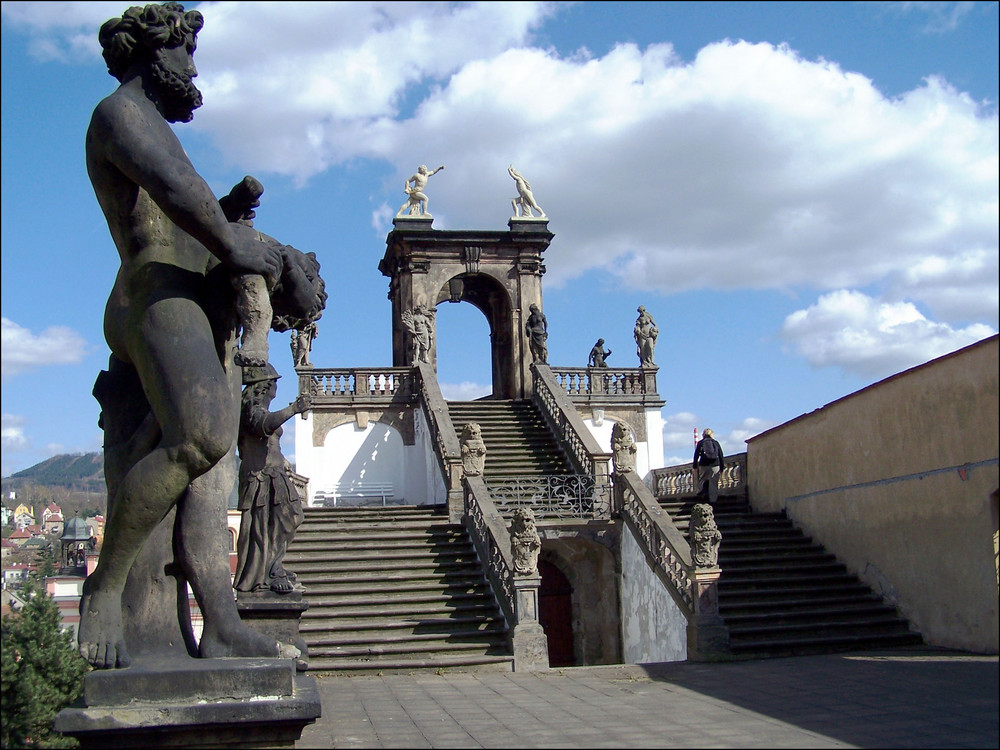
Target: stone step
{"points": [[393, 609], [394, 588], [362, 555], [456, 636], [385, 542], [496, 647], [323, 602], [376, 586], [373, 577], [807, 600], [779, 571], [747, 559], [821, 627], [376, 629], [738, 594], [778, 615], [781, 594], [434, 664], [831, 642]]}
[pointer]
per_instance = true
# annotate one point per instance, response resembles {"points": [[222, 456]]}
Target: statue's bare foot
{"points": [[236, 640], [102, 639], [281, 585]]}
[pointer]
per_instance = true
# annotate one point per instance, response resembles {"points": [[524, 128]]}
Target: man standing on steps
{"points": [[708, 466]]}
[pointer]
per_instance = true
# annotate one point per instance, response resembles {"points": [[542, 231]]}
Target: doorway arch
{"points": [[464, 355]]}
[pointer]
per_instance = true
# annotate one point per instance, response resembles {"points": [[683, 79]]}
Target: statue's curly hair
{"points": [[141, 31]]}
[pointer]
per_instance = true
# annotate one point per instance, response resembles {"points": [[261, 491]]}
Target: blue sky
{"points": [[804, 195]]}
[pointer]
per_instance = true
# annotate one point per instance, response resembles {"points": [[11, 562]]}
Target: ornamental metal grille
{"points": [[549, 496]]}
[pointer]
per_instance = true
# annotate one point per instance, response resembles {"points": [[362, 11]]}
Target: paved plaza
{"points": [[912, 698]]}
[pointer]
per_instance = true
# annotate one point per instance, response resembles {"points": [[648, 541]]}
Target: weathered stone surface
{"points": [[531, 650], [194, 703]]}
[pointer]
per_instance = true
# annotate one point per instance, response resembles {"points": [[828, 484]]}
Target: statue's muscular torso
{"points": [[158, 258]]}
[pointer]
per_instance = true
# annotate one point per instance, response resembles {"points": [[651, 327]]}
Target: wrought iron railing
{"points": [[559, 496], [674, 481]]}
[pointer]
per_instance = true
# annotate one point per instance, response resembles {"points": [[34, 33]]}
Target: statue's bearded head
{"points": [[147, 40], [176, 94]]}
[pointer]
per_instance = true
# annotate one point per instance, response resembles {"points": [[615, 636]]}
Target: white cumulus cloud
{"points": [[24, 350], [12, 433], [872, 338]]}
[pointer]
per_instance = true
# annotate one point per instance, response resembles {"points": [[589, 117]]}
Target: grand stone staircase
{"points": [[518, 442], [782, 594], [394, 588]]}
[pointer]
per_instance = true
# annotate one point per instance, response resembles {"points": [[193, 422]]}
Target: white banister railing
{"points": [[347, 385], [626, 382]]}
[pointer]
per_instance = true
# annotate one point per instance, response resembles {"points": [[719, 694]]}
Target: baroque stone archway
{"points": [[500, 273]]}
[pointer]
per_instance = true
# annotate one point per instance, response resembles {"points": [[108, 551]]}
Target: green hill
{"points": [[81, 472]]}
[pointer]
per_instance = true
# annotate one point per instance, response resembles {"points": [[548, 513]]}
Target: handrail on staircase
{"points": [[516, 591], [693, 588], [442, 429], [584, 453], [492, 541]]}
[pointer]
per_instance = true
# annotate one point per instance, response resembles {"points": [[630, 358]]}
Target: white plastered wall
{"points": [[375, 453]]}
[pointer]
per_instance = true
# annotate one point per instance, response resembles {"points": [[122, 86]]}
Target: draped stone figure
{"points": [[270, 502]]}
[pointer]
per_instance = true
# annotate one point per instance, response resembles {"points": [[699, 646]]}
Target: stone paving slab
{"points": [[914, 698]]}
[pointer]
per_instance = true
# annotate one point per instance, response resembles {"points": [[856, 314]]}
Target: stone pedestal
{"points": [[530, 646], [276, 616], [414, 223], [205, 703], [708, 636], [528, 224]]}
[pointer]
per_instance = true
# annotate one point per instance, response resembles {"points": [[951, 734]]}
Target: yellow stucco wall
{"points": [[900, 481]]}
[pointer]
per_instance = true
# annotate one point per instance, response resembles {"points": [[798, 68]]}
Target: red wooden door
{"points": [[555, 613]]}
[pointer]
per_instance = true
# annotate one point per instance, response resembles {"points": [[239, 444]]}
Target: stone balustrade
{"points": [[676, 481], [491, 538], [608, 385], [344, 386], [442, 430], [694, 588]]}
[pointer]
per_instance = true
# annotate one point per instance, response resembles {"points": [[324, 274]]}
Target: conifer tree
{"points": [[42, 672]]}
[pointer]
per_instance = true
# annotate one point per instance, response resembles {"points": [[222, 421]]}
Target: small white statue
{"points": [[525, 201], [416, 202]]}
